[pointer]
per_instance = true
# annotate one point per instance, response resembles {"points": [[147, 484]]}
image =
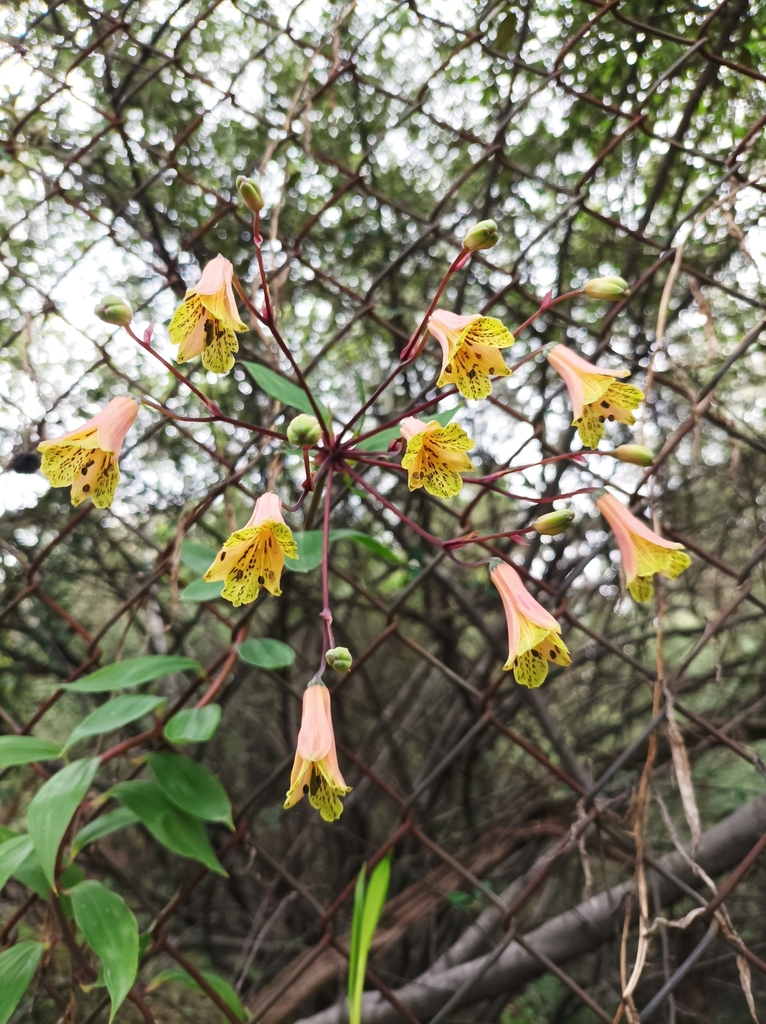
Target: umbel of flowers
{"points": [[206, 324]]}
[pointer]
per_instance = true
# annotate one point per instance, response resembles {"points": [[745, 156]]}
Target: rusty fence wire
{"points": [[586, 851]]}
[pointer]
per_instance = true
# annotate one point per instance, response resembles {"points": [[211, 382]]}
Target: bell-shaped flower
{"points": [[87, 457], [533, 634], [595, 394], [435, 456], [315, 770], [205, 322], [470, 351], [254, 556], [642, 550]]}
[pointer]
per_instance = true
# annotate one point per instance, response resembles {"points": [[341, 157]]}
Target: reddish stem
{"points": [[328, 640], [146, 345], [543, 309], [392, 508], [410, 350]]}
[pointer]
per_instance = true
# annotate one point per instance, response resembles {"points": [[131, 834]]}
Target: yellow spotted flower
{"points": [[87, 457], [435, 456], [205, 322], [255, 556], [533, 634], [316, 773], [470, 351], [642, 550], [595, 394]]}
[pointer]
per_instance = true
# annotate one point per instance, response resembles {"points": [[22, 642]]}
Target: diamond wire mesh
{"points": [[603, 137]]}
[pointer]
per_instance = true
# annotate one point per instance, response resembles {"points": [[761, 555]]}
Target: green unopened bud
{"points": [[635, 453], [607, 288], [250, 192], [554, 523], [481, 236], [114, 310], [304, 430], [339, 658]]}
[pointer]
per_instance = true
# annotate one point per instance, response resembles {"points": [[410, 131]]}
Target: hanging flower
{"points": [[254, 556], [315, 770], [470, 353], [595, 395], [435, 456], [205, 322], [643, 551], [533, 633], [87, 457]]}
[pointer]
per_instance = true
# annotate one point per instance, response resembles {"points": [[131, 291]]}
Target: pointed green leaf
{"points": [[197, 557], [192, 787], [264, 652], [309, 544], [24, 749], [279, 387], [199, 590], [33, 877], [194, 725], [133, 672], [17, 968], [13, 853], [51, 810], [380, 442], [102, 826], [111, 931], [180, 832], [114, 714], [177, 975], [356, 928], [374, 898]]}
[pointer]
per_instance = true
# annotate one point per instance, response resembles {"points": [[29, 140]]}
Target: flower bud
{"points": [[635, 453], [339, 658], [607, 288], [114, 310], [304, 430], [553, 523], [481, 236], [250, 192]]}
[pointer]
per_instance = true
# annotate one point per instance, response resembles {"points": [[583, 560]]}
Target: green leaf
{"points": [[13, 853], [197, 557], [380, 442], [192, 787], [180, 832], [23, 749], [373, 897], [17, 968], [133, 672], [177, 975], [51, 810], [506, 30], [266, 653], [114, 714], [194, 725], [199, 590], [111, 931], [279, 387], [33, 877], [356, 930], [309, 544], [367, 542], [102, 826]]}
